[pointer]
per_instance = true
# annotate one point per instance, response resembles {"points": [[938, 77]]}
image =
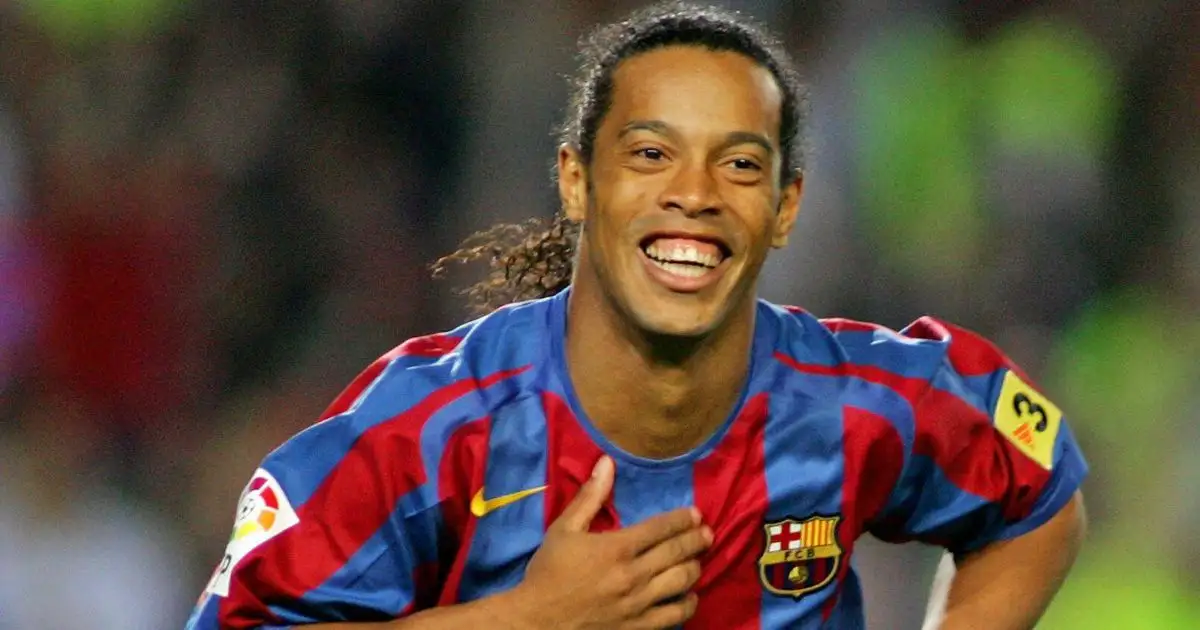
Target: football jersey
{"points": [[432, 478]]}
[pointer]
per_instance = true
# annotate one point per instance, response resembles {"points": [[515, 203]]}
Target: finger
{"points": [[658, 528], [667, 585], [674, 551], [578, 515], [667, 615]]}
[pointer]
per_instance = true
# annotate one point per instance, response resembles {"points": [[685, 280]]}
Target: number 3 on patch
{"points": [[1027, 419]]}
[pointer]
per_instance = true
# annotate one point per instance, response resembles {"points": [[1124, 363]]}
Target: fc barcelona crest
{"points": [[799, 556]]}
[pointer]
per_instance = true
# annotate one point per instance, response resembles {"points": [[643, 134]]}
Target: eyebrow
{"points": [[657, 126], [732, 138]]}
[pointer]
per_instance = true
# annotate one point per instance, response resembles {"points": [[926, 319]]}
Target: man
{"points": [[652, 445]]}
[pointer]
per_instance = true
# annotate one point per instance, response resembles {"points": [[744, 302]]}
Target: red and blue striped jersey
{"points": [[402, 496]]}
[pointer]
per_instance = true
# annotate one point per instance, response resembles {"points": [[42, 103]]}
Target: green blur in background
{"points": [[213, 214]]}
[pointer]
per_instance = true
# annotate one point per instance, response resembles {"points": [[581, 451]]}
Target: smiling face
{"points": [[682, 199]]}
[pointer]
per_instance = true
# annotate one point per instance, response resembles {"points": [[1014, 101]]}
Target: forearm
{"points": [[494, 612], [1009, 584]]}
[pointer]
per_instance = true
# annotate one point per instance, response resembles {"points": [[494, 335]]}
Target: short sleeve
{"points": [[341, 522], [290, 563], [992, 456]]}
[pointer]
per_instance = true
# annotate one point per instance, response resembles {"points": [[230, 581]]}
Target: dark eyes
{"points": [[650, 153], [742, 164]]}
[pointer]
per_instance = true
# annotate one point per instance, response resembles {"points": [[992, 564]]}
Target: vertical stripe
{"points": [[640, 492], [505, 539], [426, 577], [731, 494], [457, 478], [571, 455], [874, 457], [449, 594], [804, 468]]}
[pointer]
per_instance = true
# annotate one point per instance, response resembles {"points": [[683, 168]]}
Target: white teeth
{"points": [[681, 269], [686, 254]]}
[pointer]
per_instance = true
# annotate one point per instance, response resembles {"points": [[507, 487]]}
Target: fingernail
{"points": [[603, 461], [707, 532], [696, 518]]}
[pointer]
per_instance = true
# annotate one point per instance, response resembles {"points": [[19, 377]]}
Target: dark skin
{"points": [[690, 143], [690, 146], [1007, 585]]}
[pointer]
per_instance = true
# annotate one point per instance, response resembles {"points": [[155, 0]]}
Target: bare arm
{"points": [[1008, 585]]}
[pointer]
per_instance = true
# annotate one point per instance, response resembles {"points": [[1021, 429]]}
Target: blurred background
{"points": [[213, 214]]}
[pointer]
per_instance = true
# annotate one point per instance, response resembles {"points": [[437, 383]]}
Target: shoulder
{"points": [[440, 367], [476, 353], [919, 350], [409, 403]]}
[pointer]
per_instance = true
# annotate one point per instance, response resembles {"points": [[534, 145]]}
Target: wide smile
{"points": [[684, 263]]}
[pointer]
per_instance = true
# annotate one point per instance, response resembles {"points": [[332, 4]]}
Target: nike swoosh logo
{"points": [[481, 507]]}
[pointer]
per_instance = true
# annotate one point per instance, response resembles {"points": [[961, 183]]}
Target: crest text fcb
{"points": [[799, 556]]}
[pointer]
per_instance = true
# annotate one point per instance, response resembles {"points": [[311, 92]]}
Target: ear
{"points": [[572, 182], [789, 209]]}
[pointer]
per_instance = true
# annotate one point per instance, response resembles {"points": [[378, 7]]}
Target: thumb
{"points": [[578, 515]]}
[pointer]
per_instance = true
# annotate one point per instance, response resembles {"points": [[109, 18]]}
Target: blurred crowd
{"points": [[213, 214]]}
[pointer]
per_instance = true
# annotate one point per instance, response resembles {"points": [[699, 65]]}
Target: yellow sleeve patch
{"points": [[1028, 419]]}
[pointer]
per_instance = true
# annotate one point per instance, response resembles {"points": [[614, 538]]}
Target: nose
{"points": [[691, 190]]}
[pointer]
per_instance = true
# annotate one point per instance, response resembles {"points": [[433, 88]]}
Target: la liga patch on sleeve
{"points": [[1028, 419], [263, 512]]}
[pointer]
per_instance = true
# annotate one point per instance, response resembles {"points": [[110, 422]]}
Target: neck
{"points": [[654, 396]]}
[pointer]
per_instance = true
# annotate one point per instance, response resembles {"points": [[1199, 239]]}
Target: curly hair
{"points": [[535, 259]]}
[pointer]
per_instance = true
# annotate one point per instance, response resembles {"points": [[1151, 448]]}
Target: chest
{"points": [[773, 492]]}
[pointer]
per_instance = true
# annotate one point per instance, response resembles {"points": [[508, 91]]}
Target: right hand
{"points": [[634, 578]]}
